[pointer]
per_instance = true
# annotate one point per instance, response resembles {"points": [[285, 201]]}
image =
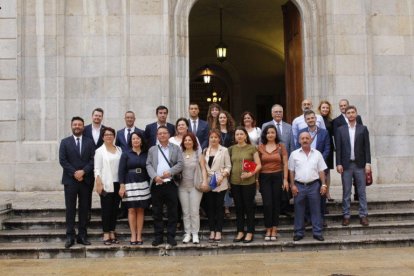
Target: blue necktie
{"points": [[128, 135]]}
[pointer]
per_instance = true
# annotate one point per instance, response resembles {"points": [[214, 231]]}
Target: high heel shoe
{"points": [[239, 239], [248, 241]]}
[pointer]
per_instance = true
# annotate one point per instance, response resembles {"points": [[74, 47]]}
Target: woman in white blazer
{"points": [[217, 162], [106, 165]]}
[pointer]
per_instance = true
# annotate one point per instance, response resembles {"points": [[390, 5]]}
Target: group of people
{"points": [[209, 164]]}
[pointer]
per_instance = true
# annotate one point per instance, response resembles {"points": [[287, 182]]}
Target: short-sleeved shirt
{"points": [[306, 167], [272, 162], [237, 155]]}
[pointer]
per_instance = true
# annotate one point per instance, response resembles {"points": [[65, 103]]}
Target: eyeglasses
{"points": [[108, 134]]}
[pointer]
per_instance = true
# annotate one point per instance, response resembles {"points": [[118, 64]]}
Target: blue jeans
{"points": [[359, 176], [311, 194]]}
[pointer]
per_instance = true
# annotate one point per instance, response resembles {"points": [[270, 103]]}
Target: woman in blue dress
{"points": [[134, 188]]}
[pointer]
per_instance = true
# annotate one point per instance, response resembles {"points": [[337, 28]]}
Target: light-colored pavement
{"points": [[384, 261], [41, 200]]}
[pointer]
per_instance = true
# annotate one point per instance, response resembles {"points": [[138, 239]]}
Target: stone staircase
{"points": [[40, 233]]}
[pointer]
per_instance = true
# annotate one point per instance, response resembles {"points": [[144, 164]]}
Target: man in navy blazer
{"points": [[93, 130], [150, 132], [123, 135], [76, 154], [197, 126], [353, 159]]}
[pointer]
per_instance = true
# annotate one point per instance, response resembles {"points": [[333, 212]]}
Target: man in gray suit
{"points": [[164, 161], [284, 130]]}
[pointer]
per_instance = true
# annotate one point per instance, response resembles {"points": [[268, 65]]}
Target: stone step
{"points": [[332, 206], [123, 233], [95, 223], [57, 250]]}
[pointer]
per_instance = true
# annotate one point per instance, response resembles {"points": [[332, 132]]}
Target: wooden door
{"points": [[292, 24]]}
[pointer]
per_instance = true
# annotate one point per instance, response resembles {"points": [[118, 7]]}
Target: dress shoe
{"points": [[318, 238], [297, 238], [157, 242], [83, 241], [69, 243], [248, 241], [345, 222], [196, 240], [187, 238], [239, 240], [364, 221], [172, 242]]}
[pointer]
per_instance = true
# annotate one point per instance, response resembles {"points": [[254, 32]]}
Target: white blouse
{"points": [[106, 166]]}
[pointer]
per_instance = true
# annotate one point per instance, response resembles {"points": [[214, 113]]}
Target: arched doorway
{"points": [[314, 81], [257, 34]]}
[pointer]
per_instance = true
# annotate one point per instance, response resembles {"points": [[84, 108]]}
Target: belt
{"points": [[167, 182], [137, 170], [308, 183]]}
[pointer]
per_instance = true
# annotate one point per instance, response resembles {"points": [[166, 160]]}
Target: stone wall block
{"points": [[8, 89], [401, 125], [8, 131], [349, 85], [390, 25], [387, 7], [349, 24], [388, 85], [146, 25], [395, 169], [48, 176], [145, 7], [145, 65], [145, 45], [392, 65], [8, 69], [8, 9], [395, 145], [349, 65], [8, 110], [7, 177], [349, 44], [8, 48], [388, 45], [347, 7]]}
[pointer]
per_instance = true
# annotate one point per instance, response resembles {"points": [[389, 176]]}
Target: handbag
{"points": [[176, 177], [368, 177]]}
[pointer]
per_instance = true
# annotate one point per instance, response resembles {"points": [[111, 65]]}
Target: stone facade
{"points": [[60, 58]]}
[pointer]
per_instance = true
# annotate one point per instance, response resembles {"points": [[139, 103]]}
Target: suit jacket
{"points": [[286, 137], [340, 121], [150, 133], [120, 138], [175, 157], [71, 160], [361, 146], [323, 143], [202, 132], [221, 163], [88, 133]]}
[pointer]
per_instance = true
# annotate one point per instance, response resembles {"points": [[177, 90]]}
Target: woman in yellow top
{"points": [[243, 184]]}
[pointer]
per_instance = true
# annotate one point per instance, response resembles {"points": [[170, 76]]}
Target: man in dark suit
{"points": [[150, 132], [93, 130], [197, 126], [123, 135], [353, 159], [343, 120], [76, 154], [164, 161]]}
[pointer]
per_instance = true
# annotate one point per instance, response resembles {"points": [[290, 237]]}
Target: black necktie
{"points": [[128, 135], [78, 145]]}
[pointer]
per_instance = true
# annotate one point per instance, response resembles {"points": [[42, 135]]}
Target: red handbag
{"points": [[368, 178]]}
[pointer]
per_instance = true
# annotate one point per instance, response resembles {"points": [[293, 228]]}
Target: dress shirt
{"points": [[352, 140], [96, 132], [162, 163], [306, 167], [80, 142], [280, 126], [126, 132], [314, 136]]}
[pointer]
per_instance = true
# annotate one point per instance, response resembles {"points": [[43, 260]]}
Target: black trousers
{"points": [[73, 193], [109, 212], [167, 194], [271, 190], [215, 210], [243, 196]]}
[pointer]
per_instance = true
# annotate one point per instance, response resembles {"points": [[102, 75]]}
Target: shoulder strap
{"points": [[169, 164]]}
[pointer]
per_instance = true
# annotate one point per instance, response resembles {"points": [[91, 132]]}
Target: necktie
{"points": [[194, 127], [78, 148], [279, 133], [128, 135]]}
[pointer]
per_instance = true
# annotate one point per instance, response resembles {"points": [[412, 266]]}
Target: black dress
{"points": [[329, 128], [226, 139], [133, 173]]}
